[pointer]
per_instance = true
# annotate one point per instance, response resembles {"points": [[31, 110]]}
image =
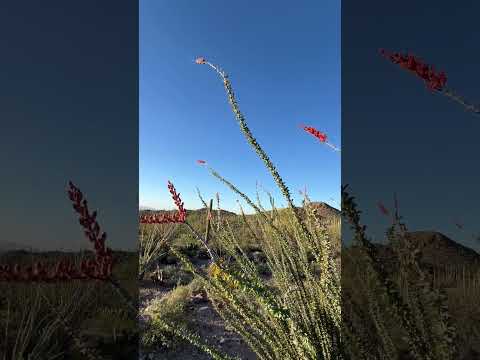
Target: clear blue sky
{"points": [[283, 59]]}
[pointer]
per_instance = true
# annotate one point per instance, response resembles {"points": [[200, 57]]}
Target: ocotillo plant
{"points": [[298, 315], [251, 139]]}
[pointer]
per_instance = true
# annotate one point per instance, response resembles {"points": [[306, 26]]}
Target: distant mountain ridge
{"points": [[189, 211], [6, 245], [324, 210]]}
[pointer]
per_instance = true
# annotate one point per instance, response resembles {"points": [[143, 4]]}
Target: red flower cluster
{"points": [[318, 134], [433, 80], [88, 221], [99, 268], [60, 271], [179, 217], [201, 162], [104, 258]]}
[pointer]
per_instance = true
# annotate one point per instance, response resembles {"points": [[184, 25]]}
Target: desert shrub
{"points": [[152, 245], [171, 308], [175, 275]]}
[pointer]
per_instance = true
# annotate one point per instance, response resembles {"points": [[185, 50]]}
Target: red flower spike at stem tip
{"points": [[201, 162], [318, 134]]}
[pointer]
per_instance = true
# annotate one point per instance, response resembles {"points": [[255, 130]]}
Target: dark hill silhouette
{"points": [[324, 209], [437, 250]]}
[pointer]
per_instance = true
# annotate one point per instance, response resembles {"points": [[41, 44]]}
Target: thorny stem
{"points": [[253, 142], [209, 217], [457, 98], [332, 146], [199, 238], [249, 135]]}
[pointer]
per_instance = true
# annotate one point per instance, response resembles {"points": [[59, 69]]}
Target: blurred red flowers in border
{"points": [[433, 80]]}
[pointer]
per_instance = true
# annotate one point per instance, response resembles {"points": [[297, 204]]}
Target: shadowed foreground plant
{"points": [[387, 310], [417, 309], [37, 318], [29, 333]]}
